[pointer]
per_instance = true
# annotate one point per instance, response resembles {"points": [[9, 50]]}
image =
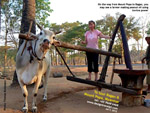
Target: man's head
{"points": [[91, 25], [147, 40]]}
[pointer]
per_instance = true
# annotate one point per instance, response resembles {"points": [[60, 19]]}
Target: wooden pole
{"points": [[25, 37], [112, 76], [27, 34], [4, 72], [112, 87], [125, 47], [81, 48]]}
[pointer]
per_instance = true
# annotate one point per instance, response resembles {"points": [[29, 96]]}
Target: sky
{"points": [[85, 10]]}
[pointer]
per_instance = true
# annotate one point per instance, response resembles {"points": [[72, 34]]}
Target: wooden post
{"points": [[125, 47], [112, 76], [27, 34]]}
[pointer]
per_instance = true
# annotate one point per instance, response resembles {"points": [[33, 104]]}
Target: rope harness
{"points": [[32, 52], [64, 61]]}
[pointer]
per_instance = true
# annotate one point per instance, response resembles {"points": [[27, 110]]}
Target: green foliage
{"points": [[11, 54], [11, 21], [106, 25], [54, 27], [148, 28], [117, 49], [132, 28], [13, 9], [64, 27], [43, 11], [11, 14], [76, 34], [71, 32]]}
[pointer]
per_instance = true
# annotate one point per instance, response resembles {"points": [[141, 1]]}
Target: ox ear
{"points": [[57, 32], [40, 27]]}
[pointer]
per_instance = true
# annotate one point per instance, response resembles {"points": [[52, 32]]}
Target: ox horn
{"points": [[57, 32], [40, 27]]}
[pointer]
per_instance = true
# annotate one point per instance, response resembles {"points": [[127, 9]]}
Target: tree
{"points": [[28, 15], [144, 21], [132, 29], [106, 25], [148, 28], [71, 32], [43, 11], [7, 20], [137, 36]]}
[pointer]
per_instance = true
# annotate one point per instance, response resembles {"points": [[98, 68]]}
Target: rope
{"points": [[64, 61], [5, 93], [4, 74]]}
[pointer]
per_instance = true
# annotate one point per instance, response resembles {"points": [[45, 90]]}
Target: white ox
{"points": [[33, 65]]}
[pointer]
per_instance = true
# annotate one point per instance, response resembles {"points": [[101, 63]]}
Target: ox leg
{"points": [[46, 76], [36, 87], [25, 95]]}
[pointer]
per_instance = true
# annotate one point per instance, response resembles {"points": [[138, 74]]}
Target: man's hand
{"points": [[83, 42], [143, 60]]}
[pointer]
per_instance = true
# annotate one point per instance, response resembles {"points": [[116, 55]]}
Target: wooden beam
{"points": [[25, 37], [71, 46], [112, 87], [81, 48]]}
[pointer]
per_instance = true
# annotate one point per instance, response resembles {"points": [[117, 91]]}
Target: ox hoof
{"points": [[25, 110], [34, 109], [44, 98]]}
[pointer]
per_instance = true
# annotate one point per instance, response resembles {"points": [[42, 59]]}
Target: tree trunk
{"points": [[28, 15]]}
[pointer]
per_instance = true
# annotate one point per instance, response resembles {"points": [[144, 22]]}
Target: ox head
{"points": [[46, 38]]}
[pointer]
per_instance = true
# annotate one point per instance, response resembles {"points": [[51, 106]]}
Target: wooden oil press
{"points": [[132, 80]]}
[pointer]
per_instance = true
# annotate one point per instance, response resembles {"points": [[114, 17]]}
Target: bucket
{"points": [[147, 102]]}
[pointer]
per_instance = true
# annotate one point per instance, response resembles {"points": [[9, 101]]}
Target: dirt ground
{"points": [[65, 96]]}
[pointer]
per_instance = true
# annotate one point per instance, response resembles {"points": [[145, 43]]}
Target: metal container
{"points": [[147, 102]]}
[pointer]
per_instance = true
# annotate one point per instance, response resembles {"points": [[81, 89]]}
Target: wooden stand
{"points": [[132, 79]]}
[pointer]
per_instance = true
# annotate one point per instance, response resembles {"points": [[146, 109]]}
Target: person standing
{"points": [[91, 41], [147, 58]]}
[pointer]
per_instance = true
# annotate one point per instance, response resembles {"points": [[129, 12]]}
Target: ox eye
{"points": [[54, 37], [41, 33]]}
